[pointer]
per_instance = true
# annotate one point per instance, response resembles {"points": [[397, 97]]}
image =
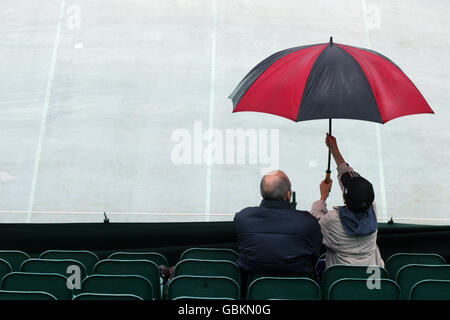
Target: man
{"points": [[350, 231], [275, 239]]}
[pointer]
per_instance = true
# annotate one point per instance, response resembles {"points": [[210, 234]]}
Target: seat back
{"points": [[147, 269], [105, 296], [411, 274], [155, 257], [195, 267], [62, 267], [399, 260], [118, 284], [210, 254], [5, 268], [341, 271], [52, 283], [283, 288], [87, 258], [25, 295], [431, 290], [203, 287], [15, 258], [358, 289]]}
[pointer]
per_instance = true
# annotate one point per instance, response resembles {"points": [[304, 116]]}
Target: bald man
{"points": [[275, 239]]}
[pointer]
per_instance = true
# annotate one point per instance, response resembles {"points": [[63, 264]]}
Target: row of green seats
{"points": [[89, 259], [56, 285], [104, 287], [144, 268], [197, 267]]}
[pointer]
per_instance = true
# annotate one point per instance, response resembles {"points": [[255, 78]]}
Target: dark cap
{"points": [[358, 192]]}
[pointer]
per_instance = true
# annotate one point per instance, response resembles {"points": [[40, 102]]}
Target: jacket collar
{"points": [[275, 204]]}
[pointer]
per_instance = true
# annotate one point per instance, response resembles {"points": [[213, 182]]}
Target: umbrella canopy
{"points": [[329, 80]]}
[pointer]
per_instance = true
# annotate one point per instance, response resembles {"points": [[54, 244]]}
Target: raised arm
{"points": [[342, 166], [331, 143]]}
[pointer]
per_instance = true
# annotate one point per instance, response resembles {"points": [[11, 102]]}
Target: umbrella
{"points": [[329, 81]]}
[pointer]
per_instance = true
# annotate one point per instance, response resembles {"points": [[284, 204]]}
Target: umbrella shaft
{"points": [[329, 152]]}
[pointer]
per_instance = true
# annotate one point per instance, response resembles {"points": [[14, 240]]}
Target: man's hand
{"points": [[325, 189]]}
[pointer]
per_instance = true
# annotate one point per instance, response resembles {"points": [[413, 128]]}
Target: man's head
{"points": [[276, 186], [358, 192]]}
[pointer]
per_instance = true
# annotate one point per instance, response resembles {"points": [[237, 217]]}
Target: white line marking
{"points": [[383, 203], [117, 213], [211, 108], [381, 173], [48, 92]]}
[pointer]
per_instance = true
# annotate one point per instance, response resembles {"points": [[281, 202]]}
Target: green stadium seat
{"points": [[399, 260], [105, 296], [195, 267], [145, 268], [25, 295], [87, 258], [52, 266], [155, 257], [254, 276], [341, 271], [210, 254], [431, 290], [283, 288], [5, 268], [203, 287], [118, 284], [52, 283], [411, 274], [357, 289], [14, 257]]}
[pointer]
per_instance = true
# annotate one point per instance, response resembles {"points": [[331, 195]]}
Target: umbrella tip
{"points": [[331, 40]]}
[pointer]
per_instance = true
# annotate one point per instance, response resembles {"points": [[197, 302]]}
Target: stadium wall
{"points": [[171, 239]]}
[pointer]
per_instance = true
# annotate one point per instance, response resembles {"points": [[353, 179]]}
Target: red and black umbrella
{"points": [[326, 81]]}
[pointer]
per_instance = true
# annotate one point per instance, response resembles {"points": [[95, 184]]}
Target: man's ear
{"points": [[288, 196]]}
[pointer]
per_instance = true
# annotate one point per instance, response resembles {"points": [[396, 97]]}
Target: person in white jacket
{"points": [[350, 231]]}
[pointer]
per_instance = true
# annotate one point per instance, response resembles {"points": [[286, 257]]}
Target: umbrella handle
{"points": [[327, 176]]}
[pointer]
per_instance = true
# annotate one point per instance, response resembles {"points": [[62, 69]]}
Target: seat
{"points": [[61, 267], [105, 296], [147, 269], [411, 274], [25, 295], [399, 260], [118, 284], [340, 271], [203, 287], [283, 288], [5, 268], [87, 258], [14, 257], [52, 283], [210, 254], [155, 257], [431, 290], [195, 267], [357, 289]]}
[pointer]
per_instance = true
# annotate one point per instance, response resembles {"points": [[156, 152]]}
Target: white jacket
{"points": [[341, 247]]}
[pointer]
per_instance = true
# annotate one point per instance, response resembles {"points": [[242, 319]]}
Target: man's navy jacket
{"points": [[275, 239]]}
